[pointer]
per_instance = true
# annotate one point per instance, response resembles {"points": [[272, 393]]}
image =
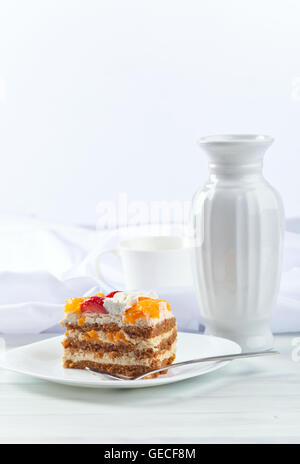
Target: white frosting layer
{"points": [[123, 359], [124, 300], [138, 343], [96, 318]]}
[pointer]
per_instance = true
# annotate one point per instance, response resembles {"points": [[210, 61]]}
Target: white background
{"points": [[101, 97]]}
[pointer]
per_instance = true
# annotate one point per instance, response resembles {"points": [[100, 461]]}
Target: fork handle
{"points": [[225, 357]]}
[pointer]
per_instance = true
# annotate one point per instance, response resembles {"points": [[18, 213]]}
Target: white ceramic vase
{"points": [[238, 225]]}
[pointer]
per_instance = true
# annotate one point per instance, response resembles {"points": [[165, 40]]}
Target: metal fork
{"points": [[226, 357]]}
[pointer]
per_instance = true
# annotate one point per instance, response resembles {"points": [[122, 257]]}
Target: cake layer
{"points": [[96, 341], [131, 358], [130, 370], [131, 330], [118, 336]]}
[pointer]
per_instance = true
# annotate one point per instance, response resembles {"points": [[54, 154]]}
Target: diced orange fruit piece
{"points": [[110, 336], [116, 337], [93, 335], [120, 337], [144, 308], [73, 305], [81, 320]]}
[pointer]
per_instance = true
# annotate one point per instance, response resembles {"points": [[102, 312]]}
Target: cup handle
{"points": [[98, 268]]}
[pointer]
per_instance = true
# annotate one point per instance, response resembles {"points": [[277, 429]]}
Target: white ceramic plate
{"points": [[43, 360]]}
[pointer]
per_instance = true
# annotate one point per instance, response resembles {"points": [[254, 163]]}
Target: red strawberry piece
{"points": [[94, 304], [110, 295]]}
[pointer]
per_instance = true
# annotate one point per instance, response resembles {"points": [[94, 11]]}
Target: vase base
{"points": [[254, 340]]}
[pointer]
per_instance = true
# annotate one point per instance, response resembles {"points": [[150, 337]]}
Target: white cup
{"points": [[152, 262]]}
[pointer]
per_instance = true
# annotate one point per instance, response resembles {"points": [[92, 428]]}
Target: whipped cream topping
{"points": [[121, 301]]}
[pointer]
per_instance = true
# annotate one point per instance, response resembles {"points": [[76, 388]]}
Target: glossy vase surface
{"points": [[238, 225]]}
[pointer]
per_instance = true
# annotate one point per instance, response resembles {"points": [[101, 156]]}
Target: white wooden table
{"points": [[249, 401]]}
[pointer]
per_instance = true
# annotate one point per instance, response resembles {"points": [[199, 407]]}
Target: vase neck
{"points": [[235, 170]]}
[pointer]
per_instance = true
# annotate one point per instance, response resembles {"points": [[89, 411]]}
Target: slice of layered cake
{"points": [[127, 333]]}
